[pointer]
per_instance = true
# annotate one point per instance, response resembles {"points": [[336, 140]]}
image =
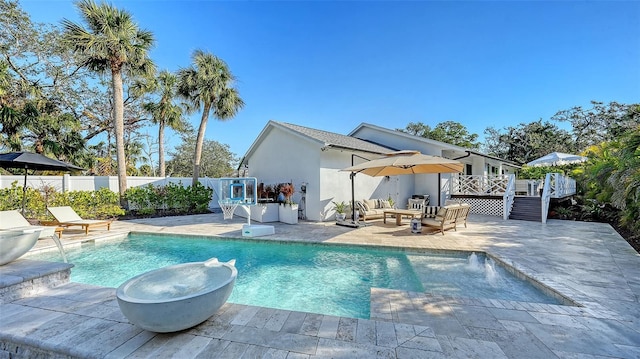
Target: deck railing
{"points": [[479, 185], [556, 185], [508, 197]]}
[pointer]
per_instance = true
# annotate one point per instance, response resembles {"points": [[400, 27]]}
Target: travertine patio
{"points": [[588, 263]]}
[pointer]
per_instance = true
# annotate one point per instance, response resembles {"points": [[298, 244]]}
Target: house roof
{"points": [[332, 139], [322, 138], [443, 145]]}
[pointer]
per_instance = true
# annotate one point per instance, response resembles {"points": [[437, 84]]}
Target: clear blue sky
{"points": [[332, 65]]}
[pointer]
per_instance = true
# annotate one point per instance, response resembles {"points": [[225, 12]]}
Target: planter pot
{"points": [[340, 217], [288, 213], [261, 212], [265, 212]]}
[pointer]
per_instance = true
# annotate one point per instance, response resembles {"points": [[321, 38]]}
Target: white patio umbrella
{"points": [[556, 159], [402, 163]]}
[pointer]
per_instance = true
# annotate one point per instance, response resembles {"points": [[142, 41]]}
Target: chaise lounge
{"points": [[14, 220], [67, 217]]}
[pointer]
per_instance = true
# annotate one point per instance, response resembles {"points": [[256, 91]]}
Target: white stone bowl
{"points": [[16, 242], [177, 297]]}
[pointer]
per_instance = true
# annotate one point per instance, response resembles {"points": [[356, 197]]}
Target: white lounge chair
{"points": [[67, 217], [13, 219]]}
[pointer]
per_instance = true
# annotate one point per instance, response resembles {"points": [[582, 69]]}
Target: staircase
{"points": [[527, 209]]}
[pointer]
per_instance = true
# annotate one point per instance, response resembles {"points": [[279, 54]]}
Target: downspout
{"points": [[440, 177], [352, 176], [240, 165]]}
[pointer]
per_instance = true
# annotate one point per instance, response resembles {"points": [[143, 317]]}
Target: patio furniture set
{"points": [[442, 218]]}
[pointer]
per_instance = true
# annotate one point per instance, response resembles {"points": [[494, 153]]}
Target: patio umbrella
{"points": [[402, 163], [33, 161], [556, 159]]}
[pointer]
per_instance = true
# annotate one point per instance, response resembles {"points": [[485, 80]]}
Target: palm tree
{"points": [[208, 85], [165, 112], [113, 43]]}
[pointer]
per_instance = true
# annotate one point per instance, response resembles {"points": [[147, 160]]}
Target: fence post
{"points": [[66, 183]]}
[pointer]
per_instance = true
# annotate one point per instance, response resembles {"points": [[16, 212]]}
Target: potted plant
{"points": [[340, 209], [288, 210]]}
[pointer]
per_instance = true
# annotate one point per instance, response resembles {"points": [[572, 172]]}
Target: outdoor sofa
{"points": [[372, 208]]}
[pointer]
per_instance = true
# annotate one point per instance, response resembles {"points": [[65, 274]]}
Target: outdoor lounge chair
{"points": [[67, 217], [445, 219], [13, 219]]}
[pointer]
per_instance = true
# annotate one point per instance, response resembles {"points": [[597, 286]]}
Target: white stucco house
{"points": [[285, 152]]}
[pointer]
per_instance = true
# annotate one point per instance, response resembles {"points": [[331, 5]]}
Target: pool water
{"points": [[324, 279]]}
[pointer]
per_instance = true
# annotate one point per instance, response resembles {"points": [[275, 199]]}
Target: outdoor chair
{"points": [[445, 219], [463, 214], [67, 217], [13, 219], [416, 204]]}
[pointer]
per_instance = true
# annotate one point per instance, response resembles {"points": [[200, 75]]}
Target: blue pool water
{"points": [[333, 280]]}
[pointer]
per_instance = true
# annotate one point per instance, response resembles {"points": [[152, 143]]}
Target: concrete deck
{"points": [[588, 263]]}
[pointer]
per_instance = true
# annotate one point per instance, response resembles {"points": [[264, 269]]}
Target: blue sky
{"points": [[333, 65]]}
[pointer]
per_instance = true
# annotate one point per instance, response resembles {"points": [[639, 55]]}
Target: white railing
{"points": [[556, 185], [508, 197], [479, 185]]}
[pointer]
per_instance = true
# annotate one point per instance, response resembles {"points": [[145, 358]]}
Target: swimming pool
{"points": [[316, 278]]}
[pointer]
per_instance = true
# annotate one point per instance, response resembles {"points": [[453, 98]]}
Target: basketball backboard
{"points": [[241, 190]]}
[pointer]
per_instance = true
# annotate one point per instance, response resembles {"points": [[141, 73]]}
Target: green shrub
{"points": [[169, 199], [99, 204]]}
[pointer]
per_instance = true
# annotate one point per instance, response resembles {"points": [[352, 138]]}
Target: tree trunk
{"points": [[161, 147], [118, 128], [199, 141]]}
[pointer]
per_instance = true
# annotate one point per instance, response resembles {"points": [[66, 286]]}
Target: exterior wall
{"points": [[282, 157], [335, 184]]}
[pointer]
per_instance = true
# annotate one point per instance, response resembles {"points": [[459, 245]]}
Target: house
{"points": [[313, 159]]}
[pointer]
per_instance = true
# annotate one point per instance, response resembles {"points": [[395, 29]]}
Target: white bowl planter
{"points": [[288, 213], [177, 297], [16, 242]]}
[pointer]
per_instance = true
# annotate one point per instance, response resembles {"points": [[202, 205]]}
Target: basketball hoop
{"points": [[228, 208]]}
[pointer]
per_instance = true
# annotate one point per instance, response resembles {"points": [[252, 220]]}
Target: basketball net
{"points": [[228, 208]]}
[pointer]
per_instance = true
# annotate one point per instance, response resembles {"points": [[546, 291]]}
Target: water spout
{"points": [[59, 244], [473, 264], [490, 272]]}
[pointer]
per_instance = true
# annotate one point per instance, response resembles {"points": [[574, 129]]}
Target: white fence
{"points": [[67, 183]]}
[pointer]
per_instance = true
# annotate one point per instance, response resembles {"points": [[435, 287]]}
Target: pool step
{"points": [[24, 278]]}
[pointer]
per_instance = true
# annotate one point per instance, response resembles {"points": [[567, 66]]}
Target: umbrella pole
{"points": [[24, 190], [353, 197]]}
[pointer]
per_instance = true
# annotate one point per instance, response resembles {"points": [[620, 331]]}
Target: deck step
{"points": [[527, 209]]}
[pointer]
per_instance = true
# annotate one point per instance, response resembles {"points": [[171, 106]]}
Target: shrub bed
{"points": [[147, 201]]}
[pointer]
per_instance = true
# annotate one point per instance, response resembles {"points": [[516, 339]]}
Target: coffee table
{"points": [[399, 213]]}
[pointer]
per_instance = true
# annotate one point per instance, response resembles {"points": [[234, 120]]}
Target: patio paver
{"points": [[589, 263]]}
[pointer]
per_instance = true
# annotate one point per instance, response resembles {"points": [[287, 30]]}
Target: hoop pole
{"points": [[248, 209]]}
